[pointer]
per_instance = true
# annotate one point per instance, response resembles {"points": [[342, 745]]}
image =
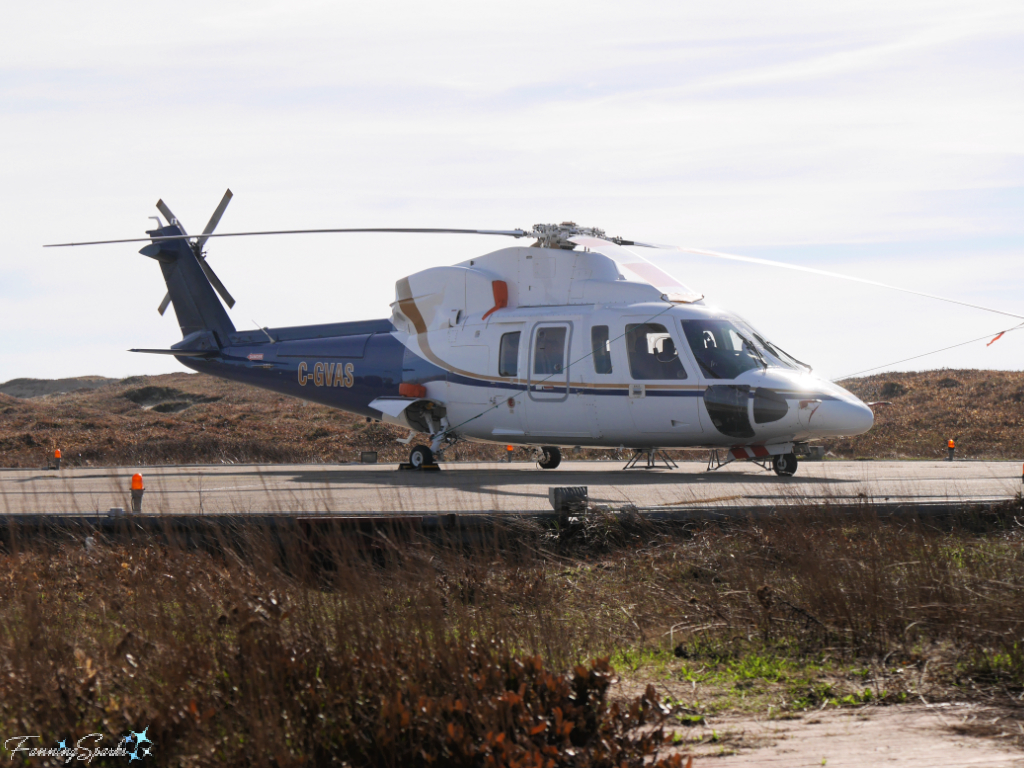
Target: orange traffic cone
{"points": [[138, 488]]}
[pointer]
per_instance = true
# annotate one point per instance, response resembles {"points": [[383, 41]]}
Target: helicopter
{"points": [[573, 340]]}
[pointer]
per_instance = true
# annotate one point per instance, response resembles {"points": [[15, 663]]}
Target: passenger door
{"points": [[550, 409], [508, 418]]}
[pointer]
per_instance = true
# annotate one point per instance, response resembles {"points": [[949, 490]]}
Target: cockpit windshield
{"points": [[722, 348], [776, 355]]}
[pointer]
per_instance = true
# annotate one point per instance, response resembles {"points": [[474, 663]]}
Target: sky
{"points": [[877, 139]]}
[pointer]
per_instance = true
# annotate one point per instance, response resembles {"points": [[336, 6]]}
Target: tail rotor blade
{"points": [[171, 218], [197, 247], [215, 219], [217, 284]]}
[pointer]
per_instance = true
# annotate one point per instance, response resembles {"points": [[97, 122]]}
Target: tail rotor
{"points": [[197, 248]]}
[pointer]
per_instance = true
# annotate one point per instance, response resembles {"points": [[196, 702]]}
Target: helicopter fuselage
{"points": [[537, 346]]}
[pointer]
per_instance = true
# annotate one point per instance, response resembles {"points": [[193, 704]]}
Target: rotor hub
{"points": [[557, 235]]}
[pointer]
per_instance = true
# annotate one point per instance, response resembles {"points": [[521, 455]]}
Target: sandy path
{"points": [[939, 736]]}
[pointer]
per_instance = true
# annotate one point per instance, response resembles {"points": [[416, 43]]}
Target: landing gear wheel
{"points": [[550, 457], [421, 456], [784, 465]]}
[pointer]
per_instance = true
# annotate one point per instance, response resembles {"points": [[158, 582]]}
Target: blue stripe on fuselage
{"points": [[385, 363]]}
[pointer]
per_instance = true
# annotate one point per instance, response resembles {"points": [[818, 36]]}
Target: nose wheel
{"points": [[784, 465]]}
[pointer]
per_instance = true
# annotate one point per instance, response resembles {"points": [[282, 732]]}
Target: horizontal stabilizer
{"points": [[180, 352]]}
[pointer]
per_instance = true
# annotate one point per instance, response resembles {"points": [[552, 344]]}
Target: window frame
{"points": [[550, 387]]}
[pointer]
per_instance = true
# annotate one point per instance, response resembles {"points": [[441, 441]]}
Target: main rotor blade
{"points": [[646, 270], [215, 219], [171, 218], [517, 233], [826, 273], [163, 304], [216, 283]]}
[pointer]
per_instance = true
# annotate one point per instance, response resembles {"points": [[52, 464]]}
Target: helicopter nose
{"points": [[847, 418]]}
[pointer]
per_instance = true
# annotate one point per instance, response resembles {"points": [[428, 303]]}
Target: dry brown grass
{"points": [[422, 653], [249, 657], [983, 411]]}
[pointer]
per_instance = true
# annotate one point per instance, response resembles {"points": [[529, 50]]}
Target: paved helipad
{"points": [[496, 488]]}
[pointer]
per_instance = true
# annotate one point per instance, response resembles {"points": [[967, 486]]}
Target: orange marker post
{"points": [[952, 449], [138, 488], [56, 459], [508, 453]]}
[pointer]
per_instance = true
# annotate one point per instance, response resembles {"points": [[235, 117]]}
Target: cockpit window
{"points": [[776, 354], [722, 350], [652, 353]]}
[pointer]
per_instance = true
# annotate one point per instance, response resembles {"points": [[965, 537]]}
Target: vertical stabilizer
{"points": [[194, 300]]}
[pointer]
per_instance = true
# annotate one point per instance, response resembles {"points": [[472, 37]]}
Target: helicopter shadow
{"points": [[502, 476], [612, 486]]}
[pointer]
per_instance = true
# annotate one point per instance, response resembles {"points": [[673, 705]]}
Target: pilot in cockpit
{"points": [[668, 351], [642, 360]]}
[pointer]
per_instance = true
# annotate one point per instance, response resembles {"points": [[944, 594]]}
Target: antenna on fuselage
{"points": [[265, 331]]}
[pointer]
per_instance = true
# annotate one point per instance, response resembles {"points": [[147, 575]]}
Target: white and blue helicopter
{"points": [[574, 340]]}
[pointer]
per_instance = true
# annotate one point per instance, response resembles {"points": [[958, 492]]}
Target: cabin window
{"points": [[549, 351], [721, 349], [508, 355], [652, 353], [602, 348]]}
